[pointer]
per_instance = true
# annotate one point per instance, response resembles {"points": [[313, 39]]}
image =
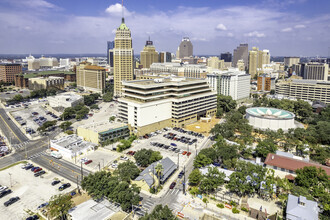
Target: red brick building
{"points": [[9, 71]]}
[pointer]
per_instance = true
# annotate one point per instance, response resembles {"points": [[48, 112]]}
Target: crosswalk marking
{"points": [[37, 155]]}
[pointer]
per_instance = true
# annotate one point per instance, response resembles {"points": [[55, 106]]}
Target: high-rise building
{"points": [[165, 57], [265, 83], [150, 105], [185, 49], [215, 63], [257, 58], [110, 46], [90, 77], [185, 70], [8, 72], [149, 55], [316, 71], [227, 57], [240, 65], [231, 82], [241, 53], [122, 57], [289, 61]]}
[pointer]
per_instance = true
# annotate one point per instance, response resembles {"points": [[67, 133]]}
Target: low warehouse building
{"points": [[71, 146], [65, 100], [102, 132]]}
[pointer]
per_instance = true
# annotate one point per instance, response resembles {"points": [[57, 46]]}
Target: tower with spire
{"points": [[122, 56]]}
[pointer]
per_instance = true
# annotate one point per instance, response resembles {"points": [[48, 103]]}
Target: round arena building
{"points": [[270, 118]]}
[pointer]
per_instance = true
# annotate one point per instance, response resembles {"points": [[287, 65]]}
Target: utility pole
{"points": [[179, 160], [99, 166], [25, 151], [103, 163], [78, 185], [81, 170], [196, 148], [184, 180]]}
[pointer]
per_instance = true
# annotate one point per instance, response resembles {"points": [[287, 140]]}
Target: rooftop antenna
{"points": [[122, 11]]}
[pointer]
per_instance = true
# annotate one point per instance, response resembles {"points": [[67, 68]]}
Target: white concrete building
{"points": [[185, 70], [149, 105], [232, 83], [65, 100], [270, 118], [71, 146]]}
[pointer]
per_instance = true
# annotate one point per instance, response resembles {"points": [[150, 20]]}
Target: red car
{"points": [[37, 170], [184, 153], [188, 154], [172, 185], [88, 162]]}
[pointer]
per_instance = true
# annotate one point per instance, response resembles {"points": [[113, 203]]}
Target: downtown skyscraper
{"points": [[122, 57]]}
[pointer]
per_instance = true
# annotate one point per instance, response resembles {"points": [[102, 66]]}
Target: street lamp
{"points": [[10, 179]]}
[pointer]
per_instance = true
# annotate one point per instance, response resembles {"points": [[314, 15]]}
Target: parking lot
{"points": [[32, 191], [168, 147], [32, 118], [10, 94]]}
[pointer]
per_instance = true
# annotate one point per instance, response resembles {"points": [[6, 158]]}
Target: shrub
{"points": [[235, 210], [69, 132], [244, 209], [205, 200], [232, 203], [213, 198], [220, 205]]}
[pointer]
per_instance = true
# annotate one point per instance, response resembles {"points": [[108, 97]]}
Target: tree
{"points": [[145, 157], [159, 171], [59, 205], [212, 180], [160, 213], [65, 125], [321, 154], [209, 152], [47, 125], [112, 118], [226, 103], [201, 160], [89, 99], [68, 113], [219, 113], [265, 147], [127, 171], [107, 97], [195, 177], [17, 98], [94, 106], [242, 109]]}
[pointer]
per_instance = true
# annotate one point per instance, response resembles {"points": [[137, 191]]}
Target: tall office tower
{"points": [[149, 55], [227, 57], [240, 65], [185, 49], [257, 58], [122, 57], [8, 72], [315, 71], [215, 63], [165, 57], [110, 46], [289, 61], [241, 53]]}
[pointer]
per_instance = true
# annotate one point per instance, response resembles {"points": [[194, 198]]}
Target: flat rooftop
{"points": [[44, 73], [72, 142], [103, 126], [149, 83]]}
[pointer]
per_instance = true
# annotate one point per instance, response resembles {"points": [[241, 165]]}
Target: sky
{"points": [[285, 27]]}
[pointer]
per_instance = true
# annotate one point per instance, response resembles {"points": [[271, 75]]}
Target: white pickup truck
{"points": [[56, 154]]}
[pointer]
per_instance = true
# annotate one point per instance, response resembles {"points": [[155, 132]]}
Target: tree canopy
{"points": [[145, 157], [59, 206], [160, 212], [127, 171]]}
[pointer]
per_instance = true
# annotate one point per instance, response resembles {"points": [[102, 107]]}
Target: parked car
{"points": [[174, 145], [88, 162], [37, 170], [5, 192], [3, 188], [188, 154], [216, 164], [11, 201], [39, 173], [64, 186], [43, 205], [180, 174], [55, 182], [34, 168], [35, 217], [123, 158], [28, 167], [184, 153], [172, 185], [25, 165]]}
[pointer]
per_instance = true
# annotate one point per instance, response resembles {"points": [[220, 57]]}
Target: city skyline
{"points": [[296, 27]]}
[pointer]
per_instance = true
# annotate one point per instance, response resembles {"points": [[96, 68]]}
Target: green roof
{"points": [[123, 25], [45, 73]]}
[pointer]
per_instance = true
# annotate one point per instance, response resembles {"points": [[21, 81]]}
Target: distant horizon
{"points": [[293, 28]]}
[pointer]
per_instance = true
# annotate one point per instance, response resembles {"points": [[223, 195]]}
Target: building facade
{"points": [[165, 57], [232, 83], [265, 83], [110, 46], [316, 71], [46, 83], [122, 58], [149, 105], [185, 70], [185, 48], [103, 132], [65, 100], [9, 71], [311, 90], [257, 58], [90, 78], [227, 57], [290, 61], [215, 63], [241, 53], [148, 55]]}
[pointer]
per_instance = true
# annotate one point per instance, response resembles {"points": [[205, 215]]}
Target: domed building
{"points": [[270, 118]]}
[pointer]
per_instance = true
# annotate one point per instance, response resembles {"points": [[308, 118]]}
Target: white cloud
{"points": [[255, 34], [221, 27], [286, 29], [299, 26], [230, 34], [117, 10]]}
